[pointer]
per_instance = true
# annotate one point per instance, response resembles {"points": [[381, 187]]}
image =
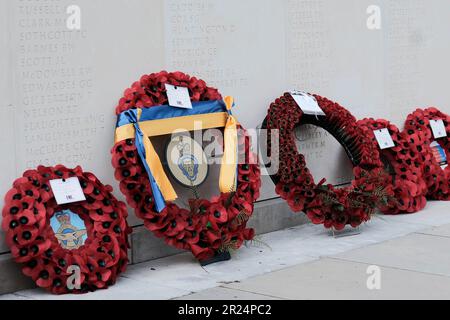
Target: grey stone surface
{"points": [[145, 246], [6, 111], [129, 290], [222, 293], [11, 277], [273, 215], [269, 216], [14, 296], [211, 40], [415, 252], [423, 218], [443, 231], [345, 280], [303, 262]]}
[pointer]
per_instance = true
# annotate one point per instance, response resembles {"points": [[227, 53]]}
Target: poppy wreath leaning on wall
{"points": [[418, 128], [405, 165], [29, 207], [209, 227], [323, 203]]}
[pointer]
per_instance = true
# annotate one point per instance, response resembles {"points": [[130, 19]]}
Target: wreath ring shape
{"points": [[209, 228], [405, 166], [323, 203], [28, 214]]}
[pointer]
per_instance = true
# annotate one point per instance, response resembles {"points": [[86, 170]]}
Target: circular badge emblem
{"points": [[69, 229], [186, 160]]}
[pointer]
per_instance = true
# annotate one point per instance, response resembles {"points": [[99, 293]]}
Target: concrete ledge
{"points": [[11, 277], [145, 246], [273, 215], [269, 216]]}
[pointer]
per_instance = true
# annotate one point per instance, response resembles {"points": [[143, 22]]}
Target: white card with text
{"points": [[384, 138], [438, 128], [307, 103], [67, 191], [178, 97]]}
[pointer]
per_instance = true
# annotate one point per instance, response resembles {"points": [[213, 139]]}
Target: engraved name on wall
{"points": [[309, 68], [53, 87]]}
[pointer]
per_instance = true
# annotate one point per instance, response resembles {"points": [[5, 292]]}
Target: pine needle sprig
{"points": [[329, 199], [241, 218], [257, 242]]}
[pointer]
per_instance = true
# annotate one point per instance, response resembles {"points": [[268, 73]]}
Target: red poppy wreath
{"points": [[98, 249], [325, 204], [405, 166], [209, 227], [434, 151]]}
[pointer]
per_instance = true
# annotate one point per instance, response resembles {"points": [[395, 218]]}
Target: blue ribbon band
{"points": [[168, 112]]}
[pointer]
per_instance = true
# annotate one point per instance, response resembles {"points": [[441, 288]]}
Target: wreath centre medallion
{"points": [[69, 229], [186, 160]]}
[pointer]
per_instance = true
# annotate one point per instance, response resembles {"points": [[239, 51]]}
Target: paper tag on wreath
{"points": [[438, 128], [67, 191], [178, 97], [384, 138], [439, 154], [307, 103]]}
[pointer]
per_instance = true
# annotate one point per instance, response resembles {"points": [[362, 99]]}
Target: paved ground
{"points": [[410, 254]]}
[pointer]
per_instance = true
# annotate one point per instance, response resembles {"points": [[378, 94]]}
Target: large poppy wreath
{"points": [[209, 227], [325, 204], [29, 208], [405, 166], [418, 128]]}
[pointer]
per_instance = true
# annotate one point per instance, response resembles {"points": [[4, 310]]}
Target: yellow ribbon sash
{"points": [[228, 170]]}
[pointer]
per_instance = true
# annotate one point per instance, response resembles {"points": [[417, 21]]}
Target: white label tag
{"points": [[178, 97], [438, 128], [67, 191], [307, 103], [384, 138]]}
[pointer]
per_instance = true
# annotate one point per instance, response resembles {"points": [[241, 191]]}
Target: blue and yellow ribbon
{"points": [[141, 124]]}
